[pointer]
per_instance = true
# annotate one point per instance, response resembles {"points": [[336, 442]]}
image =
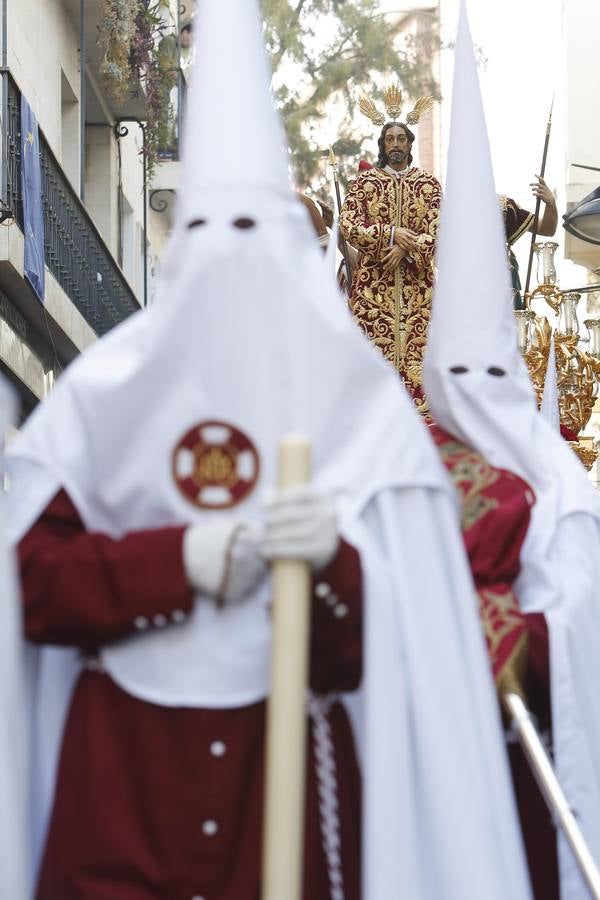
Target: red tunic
{"points": [[155, 802], [495, 518]]}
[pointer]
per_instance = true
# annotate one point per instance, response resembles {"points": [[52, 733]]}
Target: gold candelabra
{"points": [[577, 356]]}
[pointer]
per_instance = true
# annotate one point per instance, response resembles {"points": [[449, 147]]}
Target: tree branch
{"points": [[283, 45]]}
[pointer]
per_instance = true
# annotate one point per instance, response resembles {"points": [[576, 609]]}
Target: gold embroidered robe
{"points": [[393, 308], [496, 511]]}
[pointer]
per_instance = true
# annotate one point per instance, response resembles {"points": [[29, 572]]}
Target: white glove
{"points": [[300, 524], [221, 559]]}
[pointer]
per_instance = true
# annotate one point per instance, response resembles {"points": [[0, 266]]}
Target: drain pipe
{"points": [[82, 99], [3, 137], [4, 34], [121, 130]]}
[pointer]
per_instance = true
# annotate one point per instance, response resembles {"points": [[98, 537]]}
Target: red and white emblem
{"points": [[215, 466]]}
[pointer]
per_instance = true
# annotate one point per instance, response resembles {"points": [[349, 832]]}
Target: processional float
{"points": [[577, 355]]}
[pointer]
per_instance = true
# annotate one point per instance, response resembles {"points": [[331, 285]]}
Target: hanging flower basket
{"points": [[132, 35]]}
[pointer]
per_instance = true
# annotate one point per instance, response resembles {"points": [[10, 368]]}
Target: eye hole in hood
{"points": [[458, 370], [243, 223], [497, 371]]}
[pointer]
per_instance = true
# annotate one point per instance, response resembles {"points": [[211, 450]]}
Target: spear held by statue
{"points": [[536, 216], [343, 243]]}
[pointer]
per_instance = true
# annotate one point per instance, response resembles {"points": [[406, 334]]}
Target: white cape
{"points": [[564, 584], [433, 829], [13, 775]]}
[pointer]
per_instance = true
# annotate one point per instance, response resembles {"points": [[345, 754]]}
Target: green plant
{"points": [[117, 25], [136, 49], [157, 71]]}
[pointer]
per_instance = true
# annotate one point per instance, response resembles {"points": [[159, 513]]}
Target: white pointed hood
{"points": [[233, 138], [474, 376], [471, 259], [549, 408]]}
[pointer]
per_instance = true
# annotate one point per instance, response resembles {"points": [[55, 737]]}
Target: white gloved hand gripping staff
{"points": [[300, 524]]}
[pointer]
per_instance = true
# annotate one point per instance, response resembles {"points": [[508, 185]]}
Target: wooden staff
{"points": [[283, 833], [536, 217], [334, 168]]}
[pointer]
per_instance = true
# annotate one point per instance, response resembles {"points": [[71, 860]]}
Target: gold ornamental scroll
{"points": [[285, 774]]}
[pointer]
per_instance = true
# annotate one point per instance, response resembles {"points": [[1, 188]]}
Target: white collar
{"points": [[391, 171]]}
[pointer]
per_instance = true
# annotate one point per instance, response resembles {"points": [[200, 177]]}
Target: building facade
{"points": [[101, 227]]}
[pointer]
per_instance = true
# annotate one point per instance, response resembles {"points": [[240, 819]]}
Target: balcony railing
{"points": [[170, 149], [74, 250]]}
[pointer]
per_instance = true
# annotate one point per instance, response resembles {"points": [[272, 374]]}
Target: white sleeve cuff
{"points": [[204, 548]]}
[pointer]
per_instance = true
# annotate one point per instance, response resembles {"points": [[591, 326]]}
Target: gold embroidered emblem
{"points": [[215, 465]]}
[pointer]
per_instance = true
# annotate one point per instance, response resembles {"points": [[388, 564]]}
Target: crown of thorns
{"points": [[392, 98]]}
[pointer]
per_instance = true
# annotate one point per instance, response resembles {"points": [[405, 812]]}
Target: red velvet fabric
{"points": [[539, 833], [567, 433], [83, 590], [494, 543], [137, 782]]}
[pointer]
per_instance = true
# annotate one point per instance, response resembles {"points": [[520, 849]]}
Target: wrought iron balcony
{"points": [[74, 251]]}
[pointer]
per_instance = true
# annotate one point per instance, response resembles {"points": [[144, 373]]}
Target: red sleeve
{"points": [[537, 674], [85, 589], [336, 636]]}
